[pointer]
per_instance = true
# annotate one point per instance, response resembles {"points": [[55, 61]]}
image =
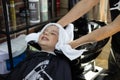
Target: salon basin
{"points": [[84, 67]]}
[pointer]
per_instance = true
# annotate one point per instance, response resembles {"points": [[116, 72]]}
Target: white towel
{"points": [[65, 36]]}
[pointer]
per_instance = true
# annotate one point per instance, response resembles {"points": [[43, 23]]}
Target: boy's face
{"points": [[49, 38]]}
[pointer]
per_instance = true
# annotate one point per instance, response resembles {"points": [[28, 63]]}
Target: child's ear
{"points": [[70, 31]]}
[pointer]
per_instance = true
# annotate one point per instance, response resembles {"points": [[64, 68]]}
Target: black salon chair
{"points": [[87, 59]]}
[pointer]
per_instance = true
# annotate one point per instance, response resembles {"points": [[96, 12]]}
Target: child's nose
{"points": [[46, 33]]}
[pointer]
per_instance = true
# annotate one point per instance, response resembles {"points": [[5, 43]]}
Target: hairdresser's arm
{"points": [[98, 34], [77, 11]]}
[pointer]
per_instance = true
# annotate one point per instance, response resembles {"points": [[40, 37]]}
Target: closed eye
{"points": [[53, 33]]}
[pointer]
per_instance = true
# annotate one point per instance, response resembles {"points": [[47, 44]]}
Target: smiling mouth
{"points": [[45, 38]]}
